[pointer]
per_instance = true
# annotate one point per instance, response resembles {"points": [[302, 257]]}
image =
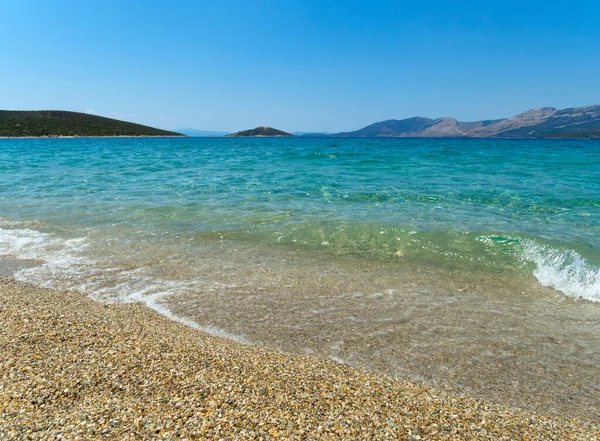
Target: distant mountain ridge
{"points": [[261, 131], [543, 122], [56, 123]]}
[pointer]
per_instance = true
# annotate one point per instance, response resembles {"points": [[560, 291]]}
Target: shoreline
{"points": [[73, 367], [94, 137], [303, 136]]}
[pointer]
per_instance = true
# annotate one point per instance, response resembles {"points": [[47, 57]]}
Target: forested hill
{"points": [[20, 123]]}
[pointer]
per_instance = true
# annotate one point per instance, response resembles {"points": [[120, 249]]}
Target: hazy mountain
{"points": [[391, 127], [311, 133], [261, 131], [23, 123], [543, 122], [202, 133]]}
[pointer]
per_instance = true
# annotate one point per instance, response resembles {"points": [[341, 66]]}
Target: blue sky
{"points": [[297, 65]]}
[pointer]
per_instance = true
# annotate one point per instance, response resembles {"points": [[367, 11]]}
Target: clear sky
{"points": [[297, 65]]}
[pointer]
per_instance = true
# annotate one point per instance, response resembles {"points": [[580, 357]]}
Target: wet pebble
{"points": [[73, 369]]}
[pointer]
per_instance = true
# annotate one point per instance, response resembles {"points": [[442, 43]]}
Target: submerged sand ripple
{"points": [[73, 369]]}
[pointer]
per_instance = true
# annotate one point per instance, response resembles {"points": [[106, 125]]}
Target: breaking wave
{"points": [[563, 270]]}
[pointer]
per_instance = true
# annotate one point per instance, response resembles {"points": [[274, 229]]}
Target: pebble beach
{"points": [[74, 369]]}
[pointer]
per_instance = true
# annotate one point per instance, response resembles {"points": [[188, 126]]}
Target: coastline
{"points": [[85, 370], [93, 137]]}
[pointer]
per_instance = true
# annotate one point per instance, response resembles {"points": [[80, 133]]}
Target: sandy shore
{"points": [[74, 369]]}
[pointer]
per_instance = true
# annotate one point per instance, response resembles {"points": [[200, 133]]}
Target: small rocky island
{"points": [[261, 131]]}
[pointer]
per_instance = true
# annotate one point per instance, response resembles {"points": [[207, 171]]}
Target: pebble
{"points": [[73, 369]]}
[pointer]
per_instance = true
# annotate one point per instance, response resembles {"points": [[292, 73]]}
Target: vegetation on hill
{"points": [[261, 131], [20, 123], [576, 135]]}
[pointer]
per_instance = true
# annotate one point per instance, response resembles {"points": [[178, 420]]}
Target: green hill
{"points": [[261, 131], [20, 123]]}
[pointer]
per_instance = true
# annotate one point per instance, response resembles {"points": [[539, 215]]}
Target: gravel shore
{"points": [[74, 369]]}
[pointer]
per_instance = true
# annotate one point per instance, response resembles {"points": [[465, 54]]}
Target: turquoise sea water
{"points": [[514, 206], [283, 241]]}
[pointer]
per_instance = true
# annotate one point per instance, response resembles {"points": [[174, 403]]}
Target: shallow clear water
{"points": [[469, 264]]}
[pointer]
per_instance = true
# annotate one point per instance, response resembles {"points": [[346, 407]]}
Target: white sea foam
{"points": [[59, 258], [26, 243], [63, 265], [565, 271]]}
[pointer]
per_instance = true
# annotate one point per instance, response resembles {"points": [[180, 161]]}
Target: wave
{"points": [[62, 264], [563, 270], [68, 263]]}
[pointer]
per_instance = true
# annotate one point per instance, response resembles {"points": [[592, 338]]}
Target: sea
{"points": [[471, 265]]}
